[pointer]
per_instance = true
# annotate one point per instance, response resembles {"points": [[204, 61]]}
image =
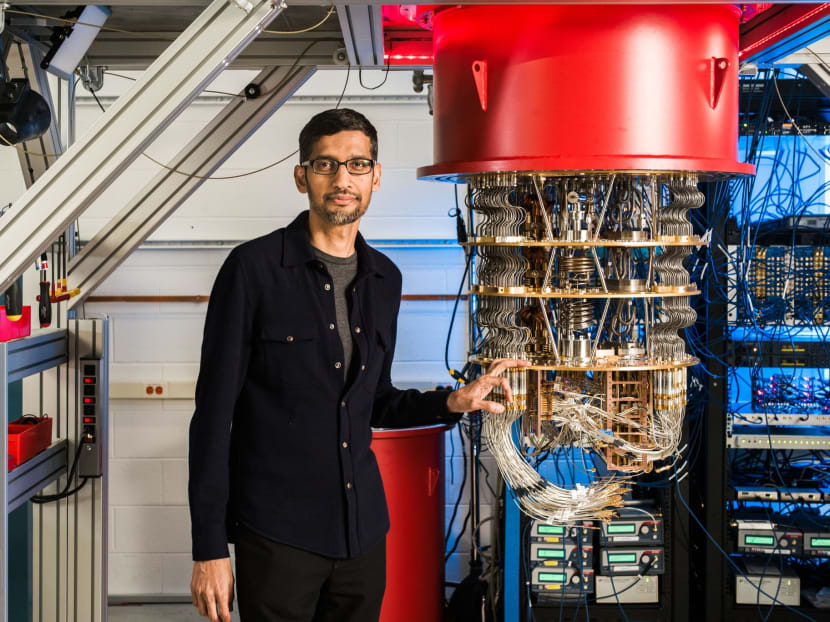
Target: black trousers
{"points": [[280, 583]]}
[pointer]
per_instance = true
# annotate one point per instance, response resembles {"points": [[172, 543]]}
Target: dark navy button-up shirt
{"points": [[278, 441]]}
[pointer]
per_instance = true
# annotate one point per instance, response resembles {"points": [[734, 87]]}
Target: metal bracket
{"points": [[92, 77]]}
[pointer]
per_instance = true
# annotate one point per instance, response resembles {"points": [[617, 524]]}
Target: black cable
{"points": [[459, 376], [458, 539], [385, 76], [66, 492]]}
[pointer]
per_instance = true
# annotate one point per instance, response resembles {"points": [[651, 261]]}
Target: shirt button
{"points": [[343, 404], [289, 338], [357, 329], [337, 365], [348, 484], [331, 326], [362, 368], [327, 287], [345, 444]]}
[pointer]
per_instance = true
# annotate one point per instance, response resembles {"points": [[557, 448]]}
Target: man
{"points": [[296, 358]]}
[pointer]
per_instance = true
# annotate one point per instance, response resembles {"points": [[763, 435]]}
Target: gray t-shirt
{"points": [[343, 271]]}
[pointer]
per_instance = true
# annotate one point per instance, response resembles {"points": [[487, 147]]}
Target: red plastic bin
{"points": [[28, 439]]}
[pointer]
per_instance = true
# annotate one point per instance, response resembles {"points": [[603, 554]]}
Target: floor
{"points": [[157, 613]]}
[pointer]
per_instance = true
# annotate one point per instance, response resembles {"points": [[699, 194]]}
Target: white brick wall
{"points": [[154, 343]]}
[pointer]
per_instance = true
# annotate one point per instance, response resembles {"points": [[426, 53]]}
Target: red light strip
{"points": [[408, 57], [777, 34]]}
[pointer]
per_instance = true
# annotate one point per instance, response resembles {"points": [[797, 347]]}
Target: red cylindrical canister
{"points": [[411, 463], [586, 88]]}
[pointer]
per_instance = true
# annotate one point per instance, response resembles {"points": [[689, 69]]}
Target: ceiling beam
{"points": [[362, 27], [118, 52]]}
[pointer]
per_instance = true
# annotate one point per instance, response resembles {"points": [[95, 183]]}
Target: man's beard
{"points": [[337, 216]]}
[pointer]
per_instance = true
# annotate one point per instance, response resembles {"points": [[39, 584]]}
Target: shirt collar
{"points": [[297, 248]]}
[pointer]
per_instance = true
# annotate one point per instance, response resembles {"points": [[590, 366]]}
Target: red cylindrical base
{"points": [[411, 463], [586, 88]]}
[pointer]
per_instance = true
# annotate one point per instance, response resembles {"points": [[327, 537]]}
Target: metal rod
{"points": [[599, 329], [599, 269], [542, 208], [549, 329], [650, 275], [605, 206], [655, 208], [546, 282]]}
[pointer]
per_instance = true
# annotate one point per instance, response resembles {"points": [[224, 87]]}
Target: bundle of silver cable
{"points": [[504, 336], [669, 407], [498, 217], [538, 497], [501, 267], [675, 312]]}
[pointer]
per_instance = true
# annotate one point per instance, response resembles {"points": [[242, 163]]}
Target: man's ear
{"points": [[300, 180], [376, 178]]}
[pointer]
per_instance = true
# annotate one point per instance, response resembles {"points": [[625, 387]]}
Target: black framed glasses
{"points": [[330, 166]]}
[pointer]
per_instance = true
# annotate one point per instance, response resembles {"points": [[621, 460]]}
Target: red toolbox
{"points": [[27, 437]]}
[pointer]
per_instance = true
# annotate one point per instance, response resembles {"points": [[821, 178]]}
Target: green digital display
{"points": [[622, 558], [819, 541], [552, 577], [762, 540], [554, 553], [622, 528], [553, 530]]}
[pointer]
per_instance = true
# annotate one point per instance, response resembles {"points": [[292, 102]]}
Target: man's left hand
{"points": [[470, 397]]}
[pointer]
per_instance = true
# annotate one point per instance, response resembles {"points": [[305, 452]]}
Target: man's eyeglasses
{"points": [[330, 166]]}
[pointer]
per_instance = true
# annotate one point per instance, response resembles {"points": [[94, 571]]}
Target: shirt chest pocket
{"points": [[289, 354]]}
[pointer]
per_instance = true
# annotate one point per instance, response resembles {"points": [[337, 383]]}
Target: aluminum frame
{"points": [[18, 359]]}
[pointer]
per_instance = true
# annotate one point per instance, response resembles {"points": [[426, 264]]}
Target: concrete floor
{"points": [[157, 613]]}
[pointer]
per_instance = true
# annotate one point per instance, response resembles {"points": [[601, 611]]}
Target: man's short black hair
{"points": [[331, 122]]}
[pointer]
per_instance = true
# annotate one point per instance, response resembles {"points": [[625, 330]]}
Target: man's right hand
{"points": [[211, 589]]}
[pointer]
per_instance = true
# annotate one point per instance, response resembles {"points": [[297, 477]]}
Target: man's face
{"points": [[341, 198]]}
